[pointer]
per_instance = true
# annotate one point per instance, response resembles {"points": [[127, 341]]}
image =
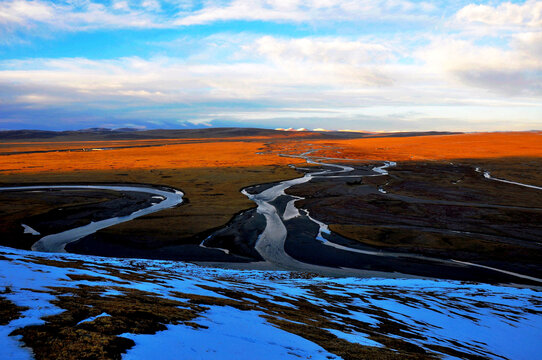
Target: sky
{"points": [[380, 65]]}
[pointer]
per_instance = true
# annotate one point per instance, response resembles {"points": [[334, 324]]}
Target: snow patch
{"points": [[90, 319], [29, 230], [231, 334], [356, 338]]}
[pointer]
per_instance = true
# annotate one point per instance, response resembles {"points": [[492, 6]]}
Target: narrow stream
{"points": [[487, 175]]}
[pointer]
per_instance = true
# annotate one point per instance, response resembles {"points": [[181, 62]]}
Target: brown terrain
{"points": [[211, 174], [435, 202]]}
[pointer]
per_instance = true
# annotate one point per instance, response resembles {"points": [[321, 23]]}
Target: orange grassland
{"points": [[178, 156], [445, 147], [216, 154]]}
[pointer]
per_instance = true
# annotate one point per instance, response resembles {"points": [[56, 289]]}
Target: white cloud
{"points": [[120, 5], [307, 10], [299, 73], [88, 14], [506, 14], [101, 83], [22, 11], [514, 70], [246, 10], [496, 47], [450, 54], [322, 50], [291, 74], [529, 43], [78, 15], [152, 5]]}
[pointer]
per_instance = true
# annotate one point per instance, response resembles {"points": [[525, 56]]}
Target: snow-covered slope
{"points": [[70, 306]]}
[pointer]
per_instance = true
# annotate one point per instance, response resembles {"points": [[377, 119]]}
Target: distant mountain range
{"points": [[94, 134]]}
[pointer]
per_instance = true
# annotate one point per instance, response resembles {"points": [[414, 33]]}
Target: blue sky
{"points": [[352, 64]]}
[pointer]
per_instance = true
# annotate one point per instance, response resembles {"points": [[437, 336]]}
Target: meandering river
{"points": [[271, 242], [56, 242]]}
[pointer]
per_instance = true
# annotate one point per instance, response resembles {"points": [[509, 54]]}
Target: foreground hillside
{"points": [[82, 307]]}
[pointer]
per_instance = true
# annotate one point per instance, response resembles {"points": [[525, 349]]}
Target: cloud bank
{"points": [[282, 63]]}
